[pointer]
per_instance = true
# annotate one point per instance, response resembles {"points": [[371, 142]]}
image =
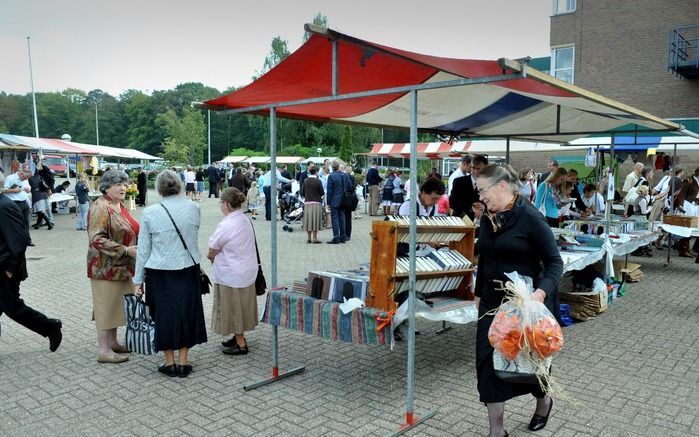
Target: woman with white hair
{"points": [[168, 263]]}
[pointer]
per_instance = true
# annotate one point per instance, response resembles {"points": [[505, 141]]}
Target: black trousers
{"points": [[213, 189], [348, 222], [15, 308], [268, 202]]}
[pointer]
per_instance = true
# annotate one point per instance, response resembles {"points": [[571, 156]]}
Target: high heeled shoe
{"points": [[539, 422]]}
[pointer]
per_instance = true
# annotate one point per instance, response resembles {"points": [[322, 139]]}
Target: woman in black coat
{"points": [[514, 236]]}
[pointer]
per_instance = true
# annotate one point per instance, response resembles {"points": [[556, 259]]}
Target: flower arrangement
{"points": [[131, 191]]}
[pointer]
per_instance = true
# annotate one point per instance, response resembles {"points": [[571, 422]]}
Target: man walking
{"points": [[14, 238], [16, 189], [214, 177], [338, 182], [266, 181], [373, 180]]}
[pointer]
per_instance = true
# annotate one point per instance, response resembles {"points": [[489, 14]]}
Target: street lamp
{"points": [[319, 150]]}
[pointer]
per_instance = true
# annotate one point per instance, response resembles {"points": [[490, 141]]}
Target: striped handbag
{"points": [[140, 328]]}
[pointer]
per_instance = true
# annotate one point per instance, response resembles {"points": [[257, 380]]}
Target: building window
{"points": [[562, 63], [563, 6]]}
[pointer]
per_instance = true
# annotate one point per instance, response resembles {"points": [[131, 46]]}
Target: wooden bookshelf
{"points": [[383, 278]]}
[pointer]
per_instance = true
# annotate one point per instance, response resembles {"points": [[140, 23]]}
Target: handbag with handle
{"points": [[260, 281], [204, 281], [140, 328]]}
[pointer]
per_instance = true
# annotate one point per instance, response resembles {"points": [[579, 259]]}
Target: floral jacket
{"points": [[110, 235]]}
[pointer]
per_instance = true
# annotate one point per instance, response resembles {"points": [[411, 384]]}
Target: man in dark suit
{"points": [[303, 176], [214, 178], [464, 197], [142, 187], [551, 166], [338, 181], [14, 238]]}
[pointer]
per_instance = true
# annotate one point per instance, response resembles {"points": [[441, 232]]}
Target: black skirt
{"points": [[387, 194], [491, 388], [174, 300]]}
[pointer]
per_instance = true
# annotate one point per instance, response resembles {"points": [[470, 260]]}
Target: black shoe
{"points": [[229, 343], [31, 243], [56, 336], [235, 350], [334, 241], [170, 370], [183, 370], [35, 226], [50, 226], [539, 422]]}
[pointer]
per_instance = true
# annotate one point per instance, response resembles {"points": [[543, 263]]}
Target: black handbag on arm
{"points": [[260, 281], [204, 281]]}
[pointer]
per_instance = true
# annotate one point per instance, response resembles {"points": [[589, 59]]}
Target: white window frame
{"points": [[570, 7], [553, 70]]}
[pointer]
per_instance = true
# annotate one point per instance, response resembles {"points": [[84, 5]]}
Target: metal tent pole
{"points": [[507, 150], [411, 420], [276, 376], [610, 202], [672, 199]]}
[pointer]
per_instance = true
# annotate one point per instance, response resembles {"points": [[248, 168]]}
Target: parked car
{"points": [[57, 164]]}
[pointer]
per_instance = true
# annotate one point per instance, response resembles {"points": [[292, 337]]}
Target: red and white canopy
{"points": [[534, 106], [402, 150]]}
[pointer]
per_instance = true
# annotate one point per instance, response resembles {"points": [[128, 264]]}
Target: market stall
{"points": [[344, 79]]}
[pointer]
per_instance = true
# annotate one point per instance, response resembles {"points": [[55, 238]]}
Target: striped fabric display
{"points": [[140, 328], [299, 312]]}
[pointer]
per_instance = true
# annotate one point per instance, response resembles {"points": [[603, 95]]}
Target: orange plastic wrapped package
{"points": [[505, 333], [544, 337]]}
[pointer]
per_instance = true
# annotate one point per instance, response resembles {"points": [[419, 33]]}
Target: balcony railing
{"points": [[683, 51]]}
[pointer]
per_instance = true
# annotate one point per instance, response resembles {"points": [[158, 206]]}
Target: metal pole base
{"points": [[411, 421], [276, 376], [443, 329]]}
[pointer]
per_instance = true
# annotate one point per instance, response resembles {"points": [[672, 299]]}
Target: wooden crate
{"points": [[681, 220]]}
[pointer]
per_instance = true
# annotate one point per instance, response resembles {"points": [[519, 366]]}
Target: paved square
{"points": [[632, 371]]}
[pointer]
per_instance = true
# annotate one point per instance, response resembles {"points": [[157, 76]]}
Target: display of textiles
{"points": [[322, 318]]}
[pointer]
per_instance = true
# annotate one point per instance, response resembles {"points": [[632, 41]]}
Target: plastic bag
{"points": [[522, 324]]}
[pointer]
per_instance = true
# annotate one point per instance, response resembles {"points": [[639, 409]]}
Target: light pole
{"points": [[319, 150], [97, 123]]}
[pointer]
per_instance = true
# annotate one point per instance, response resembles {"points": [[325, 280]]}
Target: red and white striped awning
{"points": [[402, 150]]}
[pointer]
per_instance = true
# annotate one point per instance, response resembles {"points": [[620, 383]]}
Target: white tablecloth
{"points": [[680, 230]]}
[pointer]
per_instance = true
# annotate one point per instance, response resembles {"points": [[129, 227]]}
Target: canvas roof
{"points": [[526, 103], [53, 145]]}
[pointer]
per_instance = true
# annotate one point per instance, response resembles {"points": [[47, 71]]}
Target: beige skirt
{"points": [[108, 302], [234, 310], [313, 217]]}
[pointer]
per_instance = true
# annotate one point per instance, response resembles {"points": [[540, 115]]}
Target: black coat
{"points": [[14, 237], [463, 196], [141, 181], [524, 244]]}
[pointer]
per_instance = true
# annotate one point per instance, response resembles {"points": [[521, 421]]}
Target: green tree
{"points": [[345, 152], [175, 153], [319, 20], [277, 53], [187, 130]]}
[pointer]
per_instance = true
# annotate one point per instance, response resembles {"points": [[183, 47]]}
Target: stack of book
{"points": [[436, 261]]}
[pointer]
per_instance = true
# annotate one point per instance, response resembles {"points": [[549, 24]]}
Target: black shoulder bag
{"points": [[260, 281], [204, 281]]}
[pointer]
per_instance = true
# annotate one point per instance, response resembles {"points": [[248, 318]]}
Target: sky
{"points": [[157, 44]]}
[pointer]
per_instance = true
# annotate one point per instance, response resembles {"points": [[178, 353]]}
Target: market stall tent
{"points": [[234, 159], [339, 78]]}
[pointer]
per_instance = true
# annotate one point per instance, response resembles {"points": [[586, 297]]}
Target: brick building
{"points": [[643, 53], [623, 50]]}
